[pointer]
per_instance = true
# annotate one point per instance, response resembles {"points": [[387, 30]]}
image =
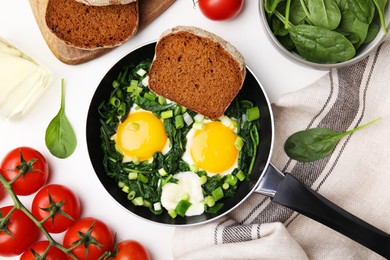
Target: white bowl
{"points": [[361, 53]]}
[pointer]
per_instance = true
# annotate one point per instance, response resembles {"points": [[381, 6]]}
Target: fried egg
{"points": [[140, 135], [188, 185], [211, 147]]}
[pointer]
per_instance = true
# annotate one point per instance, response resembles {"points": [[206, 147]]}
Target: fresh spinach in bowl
{"points": [[325, 31]]}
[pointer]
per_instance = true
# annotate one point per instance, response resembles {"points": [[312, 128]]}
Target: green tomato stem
{"points": [[20, 206]]}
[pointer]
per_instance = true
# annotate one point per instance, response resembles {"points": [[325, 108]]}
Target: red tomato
{"points": [[220, 9], [34, 165], [64, 201], [101, 238], [131, 250], [23, 231], [53, 254]]}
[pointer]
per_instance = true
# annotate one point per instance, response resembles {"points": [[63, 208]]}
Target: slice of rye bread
{"points": [[105, 2], [92, 27], [197, 69]]}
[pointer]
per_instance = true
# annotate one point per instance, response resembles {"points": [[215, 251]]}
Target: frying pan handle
{"points": [[295, 195]]}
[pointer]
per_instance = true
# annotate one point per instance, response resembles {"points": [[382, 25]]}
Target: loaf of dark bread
{"points": [[197, 69], [105, 2], [92, 27]]}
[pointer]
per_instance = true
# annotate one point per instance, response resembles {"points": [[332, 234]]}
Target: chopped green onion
{"points": [[147, 203], [142, 178], [133, 126], [115, 84], [188, 119], [183, 110], [162, 172], [177, 110], [225, 186], [215, 208], [132, 175], [166, 114], [182, 207], [145, 81], [131, 195], [185, 196], [135, 160], [134, 83], [126, 189], [121, 184], [150, 96], [239, 143], [157, 206], [253, 113], [210, 201], [231, 179], [166, 180], [203, 179], [241, 175], [217, 193], [194, 168], [122, 109], [138, 201], [199, 118], [161, 100], [198, 125], [172, 213], [141, 72], [179, 121], [115, 102], [226, 121]]}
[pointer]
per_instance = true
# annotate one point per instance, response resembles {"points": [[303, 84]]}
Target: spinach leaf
{"points": [[342, 4], [353, 28], [270, 5], [380, 6], [364, 10], [297, 14], [321, 45], [60, 138], [323, 13], [372, 32], [315, 143]]}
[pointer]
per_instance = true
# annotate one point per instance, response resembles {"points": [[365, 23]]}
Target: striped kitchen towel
{"points": [[356, 176]]}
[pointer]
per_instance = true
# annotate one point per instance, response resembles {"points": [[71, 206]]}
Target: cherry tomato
{"points": [[32, 165], [53, 254], [220, 9], [23, 232], [131, 250], [60, 199], [95, 236]]}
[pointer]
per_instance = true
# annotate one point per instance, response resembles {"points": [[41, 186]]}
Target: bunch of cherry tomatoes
{"points": [[55, 209]]}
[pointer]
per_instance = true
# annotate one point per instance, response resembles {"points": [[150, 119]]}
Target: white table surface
{"points": [[17, 25]]}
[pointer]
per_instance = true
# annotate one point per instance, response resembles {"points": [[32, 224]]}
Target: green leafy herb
{"points": [[60, 138], [315, 143]]}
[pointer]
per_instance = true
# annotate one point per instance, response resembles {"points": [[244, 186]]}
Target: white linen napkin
{"points": [[356, 176]]}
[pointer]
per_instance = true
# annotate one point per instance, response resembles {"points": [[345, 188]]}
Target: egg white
{"points": [[190, 136], [188, 184]]}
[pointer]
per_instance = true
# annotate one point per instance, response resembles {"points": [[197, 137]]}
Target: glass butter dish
{"points": [[22, 81]]}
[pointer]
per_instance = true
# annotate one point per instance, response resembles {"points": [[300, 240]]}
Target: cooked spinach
{"points": [[325, 31], [315, 143], [144, 179]]}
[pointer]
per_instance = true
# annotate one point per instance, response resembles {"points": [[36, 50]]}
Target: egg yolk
{"points": [[141, 135], [213, 147]]}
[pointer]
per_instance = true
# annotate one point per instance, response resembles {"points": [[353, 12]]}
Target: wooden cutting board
{"points": [[149, 11]]}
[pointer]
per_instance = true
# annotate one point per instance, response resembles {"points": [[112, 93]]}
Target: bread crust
{"points": [[92, 27], [105, 2], [197, 69]]}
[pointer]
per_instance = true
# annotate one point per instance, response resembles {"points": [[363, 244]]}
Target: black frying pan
{"points": [[265, 178]]}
